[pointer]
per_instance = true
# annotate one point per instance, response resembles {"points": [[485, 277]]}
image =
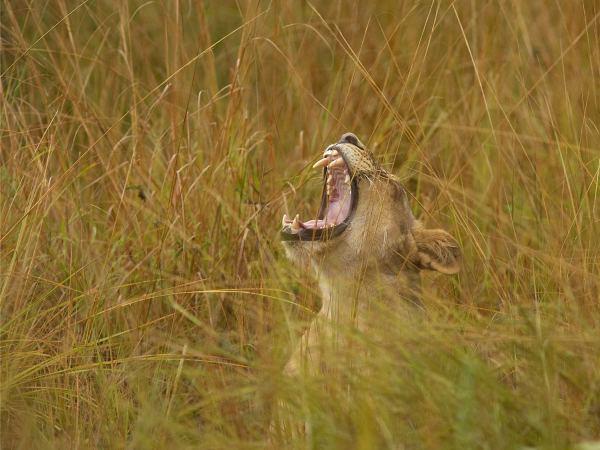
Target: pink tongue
{"points": [[338, 210], [314, 224]]}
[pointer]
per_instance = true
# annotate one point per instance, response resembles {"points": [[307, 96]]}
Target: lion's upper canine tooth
{"points": [[321, 163], [339, 162], [347, 179]]}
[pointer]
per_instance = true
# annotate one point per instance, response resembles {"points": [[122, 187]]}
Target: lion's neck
{"points": [[349, 295]]}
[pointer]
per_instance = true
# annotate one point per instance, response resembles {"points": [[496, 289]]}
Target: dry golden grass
{"points": [[149, 149]]}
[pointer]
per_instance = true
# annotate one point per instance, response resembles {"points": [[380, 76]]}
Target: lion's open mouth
{"points": [[338, 201]]}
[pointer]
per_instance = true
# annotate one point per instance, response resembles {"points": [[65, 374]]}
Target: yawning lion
{"points": [[364, 246]]}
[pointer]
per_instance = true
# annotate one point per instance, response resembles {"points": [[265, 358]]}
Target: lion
{"points": [[365, 248]]}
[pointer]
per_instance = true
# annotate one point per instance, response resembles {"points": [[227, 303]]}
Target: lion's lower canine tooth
{"points": [[296, 223], [285, 221]]}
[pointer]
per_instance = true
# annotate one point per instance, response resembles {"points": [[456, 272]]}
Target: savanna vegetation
{"points": [[148, 150]]}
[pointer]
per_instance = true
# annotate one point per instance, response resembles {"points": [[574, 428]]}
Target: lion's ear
{"points": [[436, 250]]}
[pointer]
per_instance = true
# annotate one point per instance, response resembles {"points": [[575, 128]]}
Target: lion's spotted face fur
{"points": [[365, 222], [364, 243]]}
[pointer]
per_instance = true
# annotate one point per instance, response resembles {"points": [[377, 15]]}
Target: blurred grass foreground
{"points": [[148, 150]]}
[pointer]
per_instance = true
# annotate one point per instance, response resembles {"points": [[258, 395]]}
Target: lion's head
{"points": [[365, 220]]}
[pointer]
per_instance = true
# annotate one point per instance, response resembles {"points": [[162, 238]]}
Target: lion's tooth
{"points": [[285, 221], [329, 179], [296, 223], [339, 162], [347, 179], [321, 163]]}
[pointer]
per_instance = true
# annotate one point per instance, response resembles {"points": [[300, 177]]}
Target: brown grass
{"points": [[149, 149]]}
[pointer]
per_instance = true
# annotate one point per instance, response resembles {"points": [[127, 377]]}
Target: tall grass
{"points": [[149, 149]]}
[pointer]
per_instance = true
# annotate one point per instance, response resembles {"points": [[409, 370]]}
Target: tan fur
{"points": [[374, 262]]}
